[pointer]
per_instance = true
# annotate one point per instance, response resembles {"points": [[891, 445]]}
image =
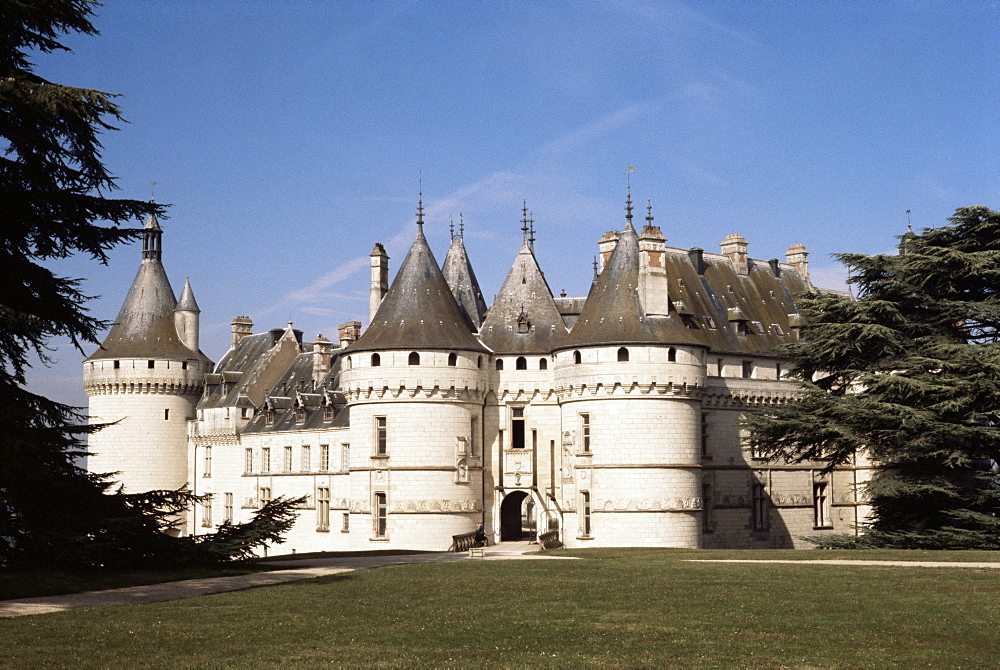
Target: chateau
{"points": [[609, 420]]}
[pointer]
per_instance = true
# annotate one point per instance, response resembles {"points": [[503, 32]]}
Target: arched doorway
{"points": [[511, 511]]}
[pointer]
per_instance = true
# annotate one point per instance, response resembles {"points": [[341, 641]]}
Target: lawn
{"points": [[639, 608]]}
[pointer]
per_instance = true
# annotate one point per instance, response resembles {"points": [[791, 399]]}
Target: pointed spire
{"points": [[187, 303], [152, 243], [461, 278], [628, 209]]}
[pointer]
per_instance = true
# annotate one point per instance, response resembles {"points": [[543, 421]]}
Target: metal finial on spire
{"points": [[524, 221], [595, 267], [531, 230], [451, 226], [628, 204], [909, 227], [152, 191], [461, 226], [649, 212]]}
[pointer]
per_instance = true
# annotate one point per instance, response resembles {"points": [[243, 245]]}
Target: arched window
{"points": [[499, 364], [414, 358], [348, 362], [623, 355], [521, 363], [576, 358], [376, 360], [672, 355], [543, 364], [452, 359]]}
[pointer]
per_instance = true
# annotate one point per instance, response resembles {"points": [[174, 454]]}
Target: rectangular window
{"points": [[708, 508], [208, 462], [265, 459], [228, 508], [206, 512], [248, 460], [166, 415], [747, 369], [705, 452], [345, 522], [474, 438], [759, 506], [288, 459], [151, 364], [324, 457], [381, 512], [585, 433], [821, 509], [345, 457], [305, 465], [585, 513], [517, 428], [265, 495], [381, 436], [322, 508]]}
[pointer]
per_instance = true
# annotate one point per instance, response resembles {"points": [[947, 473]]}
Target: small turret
{"points": [[187, 317]]}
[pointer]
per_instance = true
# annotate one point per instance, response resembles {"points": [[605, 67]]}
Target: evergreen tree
{"points": [[909, 373], [53, 203]]}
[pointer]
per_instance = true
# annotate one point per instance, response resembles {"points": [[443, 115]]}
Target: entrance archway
{"points": [[510, 516]]}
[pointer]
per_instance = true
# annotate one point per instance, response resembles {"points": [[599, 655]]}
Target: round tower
{"points": [[414, 385], [630, 383], [145, 379]]}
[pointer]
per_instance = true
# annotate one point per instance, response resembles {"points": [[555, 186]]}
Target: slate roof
{"points": [[419, 311], [144, 327], [187, 303], [461, 278], [523, 318]]}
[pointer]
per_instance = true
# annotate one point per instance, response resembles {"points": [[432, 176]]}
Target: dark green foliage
{"points": [[235, 542], [53, 203], [911, 373]]}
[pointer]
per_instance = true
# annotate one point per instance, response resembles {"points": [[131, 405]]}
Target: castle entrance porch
{"points": [[517, 517]]}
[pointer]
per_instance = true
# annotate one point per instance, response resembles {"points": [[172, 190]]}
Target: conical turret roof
{"points": [[524, 317], [187, 303], [145, 327], [419, 311], [613, 313], [458, 273]]}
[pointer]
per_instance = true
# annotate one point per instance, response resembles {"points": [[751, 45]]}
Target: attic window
{"points": [[499, 364], [710, 321], [758, 327], [151, 364], [576, 358], [521, 363], [776, 329], [328, 412], [414, 358], [543, 364], [452, 359], [688, 321], [243, 412], [623, 355], [269, 417], [300, 415], [376, 360]]}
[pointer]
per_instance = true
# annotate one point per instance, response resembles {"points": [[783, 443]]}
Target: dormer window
{"points": [[300, 414], [328, 412], [269, 416]]}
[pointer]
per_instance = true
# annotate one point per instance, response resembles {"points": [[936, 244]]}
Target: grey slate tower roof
{"points": [[524, 317], [187, 303], [458, 273], [419, 311], [613, 313], [145, 327]]}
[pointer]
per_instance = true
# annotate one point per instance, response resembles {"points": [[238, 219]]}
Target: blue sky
{"points": [[289, 137]]}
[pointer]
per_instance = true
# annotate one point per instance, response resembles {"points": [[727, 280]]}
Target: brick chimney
{"points": [[322, 355], [349, 332], [380, 279], [606, 247], [652, 271], [735, 246], [242, 326]]}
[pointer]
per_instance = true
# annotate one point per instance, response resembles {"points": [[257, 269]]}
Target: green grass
{"points": [[32, 583], [612, 608]]}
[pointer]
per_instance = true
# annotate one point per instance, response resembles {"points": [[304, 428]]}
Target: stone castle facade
{"points": [[610, 420]]}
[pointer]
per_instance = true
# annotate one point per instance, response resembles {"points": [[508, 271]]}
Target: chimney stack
{"points": [[242, 326], [653, 293], [735, 246], [798, 257], [349, 332], [606, 247], [322, 355], [380, 279]]}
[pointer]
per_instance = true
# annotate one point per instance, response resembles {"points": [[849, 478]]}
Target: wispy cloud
{"points": [[704, 174]]}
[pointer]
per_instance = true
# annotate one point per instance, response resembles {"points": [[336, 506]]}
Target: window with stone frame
{"points": [[265, 459], [264, 495], [328, 412], [324, 457], [381, 516], [381, 436], [758, 505], [585, 433], [207, 466], [345, 524], [345, 457], [206, 511], [227, 509], [287, 461], [322, 508], [305, 464], [821, 505], [585, 521], [247, 460]]}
